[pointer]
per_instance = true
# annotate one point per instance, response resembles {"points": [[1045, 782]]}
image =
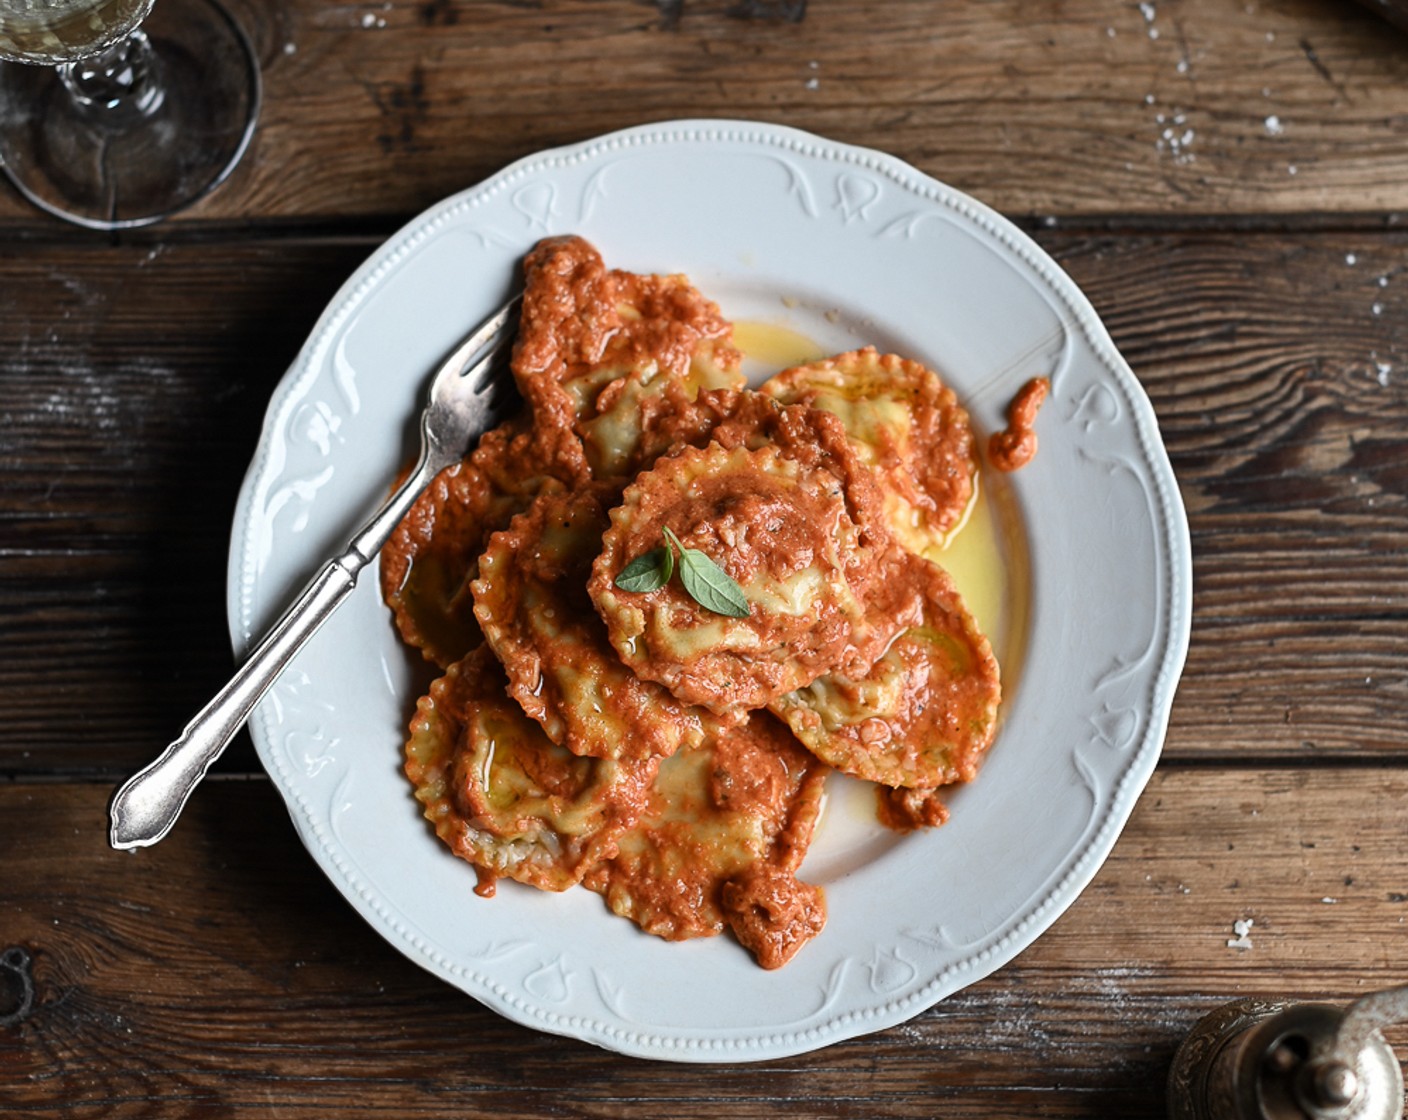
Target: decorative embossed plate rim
{"points": [[847, 245]]}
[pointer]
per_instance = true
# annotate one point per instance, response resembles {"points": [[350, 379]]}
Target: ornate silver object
{"points": [[462, 403], [1256, 1059]]}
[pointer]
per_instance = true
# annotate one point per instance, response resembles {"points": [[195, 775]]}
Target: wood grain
{"points": [[1226, 181], [1276, 366], [219, 975], [136, 379], [1071, 108]]}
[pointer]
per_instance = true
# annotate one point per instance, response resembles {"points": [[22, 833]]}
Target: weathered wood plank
{"points": [[220, 974], [133, 380], [1078, 107], [1276, 366]]}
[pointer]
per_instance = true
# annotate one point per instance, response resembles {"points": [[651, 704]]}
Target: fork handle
{"points": [[146, 806]]}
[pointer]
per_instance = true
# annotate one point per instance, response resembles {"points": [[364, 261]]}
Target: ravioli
{"points": [[783, 532], [809, 436], [431, 557], [668, 746], [927, 709], [503, 796], [733, 815], [531, 601], [907, 426], [598, 349]]}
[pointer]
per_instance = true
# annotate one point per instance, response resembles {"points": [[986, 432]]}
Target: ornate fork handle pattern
{"points": [[146, 806]]}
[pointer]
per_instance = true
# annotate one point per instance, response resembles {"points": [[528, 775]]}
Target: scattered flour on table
{"points": [[1150, 13], [1175, 136], [1241, 927]]}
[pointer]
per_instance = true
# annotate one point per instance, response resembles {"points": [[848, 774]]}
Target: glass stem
{"points": [[117, 85]]}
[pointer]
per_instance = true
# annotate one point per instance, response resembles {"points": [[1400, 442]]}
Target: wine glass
{"points": [[117, 113]]}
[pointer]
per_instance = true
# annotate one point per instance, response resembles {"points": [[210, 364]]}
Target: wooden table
{"points": [[1224, 178]]}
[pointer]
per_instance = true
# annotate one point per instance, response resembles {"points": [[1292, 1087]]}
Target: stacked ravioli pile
{"points": [[670, 758]]}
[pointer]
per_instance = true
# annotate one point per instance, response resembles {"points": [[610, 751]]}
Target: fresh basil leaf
{"points": [[648, 572], [710, 586]]}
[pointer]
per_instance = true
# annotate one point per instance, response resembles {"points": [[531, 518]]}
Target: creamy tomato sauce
{"points": [[783, 533], [501, 795], [600, 351], [666, 752], [924, 712], [1015, 447], [718, 843], [905, 810], [431, 558], [531, 601], [907, 426]]}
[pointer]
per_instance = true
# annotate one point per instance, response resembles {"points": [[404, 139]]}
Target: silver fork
{"points": [[463, 400]]}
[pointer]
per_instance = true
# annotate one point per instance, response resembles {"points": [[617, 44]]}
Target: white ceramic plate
{"points": [[846, 246]]}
